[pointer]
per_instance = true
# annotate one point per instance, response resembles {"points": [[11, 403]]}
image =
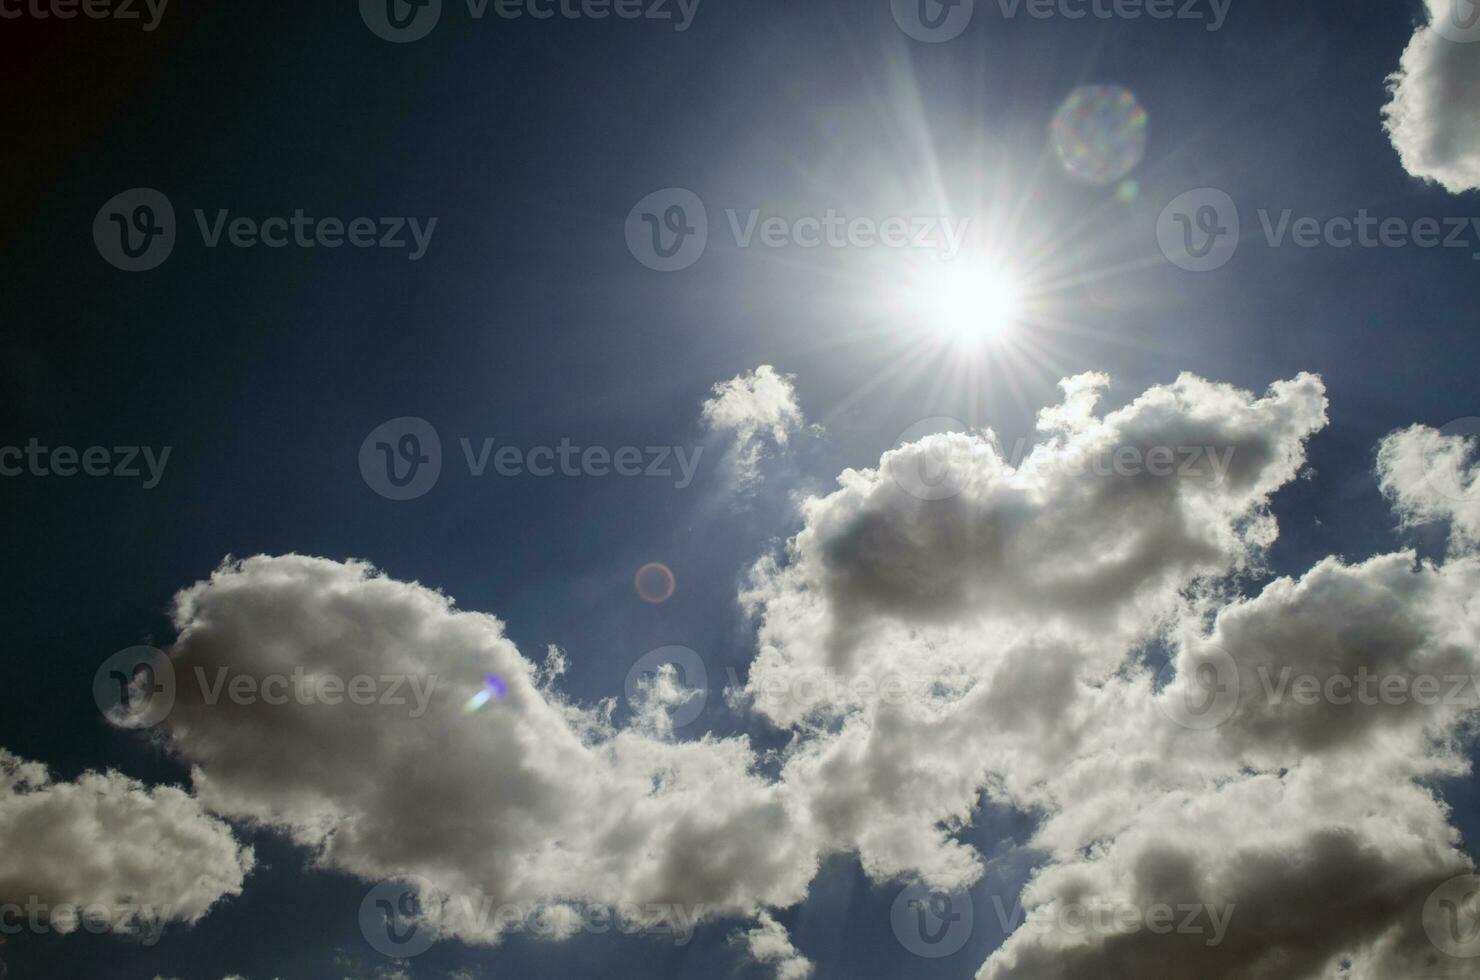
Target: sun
{"points": [[969, 307], [970, 303]]}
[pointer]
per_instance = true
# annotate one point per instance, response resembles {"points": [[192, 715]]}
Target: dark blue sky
{"points": [[528, 320]]}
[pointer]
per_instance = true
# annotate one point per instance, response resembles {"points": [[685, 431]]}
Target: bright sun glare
{"points": [[971, 302]]}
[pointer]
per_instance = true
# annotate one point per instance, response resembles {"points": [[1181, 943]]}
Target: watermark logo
{"points": [[135, 688], [1450, 481], [678, 669], [135, 230], [931, 923], [401, 21], [1451, 917], [144, 921], [1205, 696], [830, 229], [1106, 917], [1214, 16], [932, 21], [569, 460], [1458, 20], [933, 469], [1368, 688], [37, 460], [1199, 230], [138, 687], [668, 230], [396, 921], [91, 9], [1213, 689], [401, 459], [390, 915], [809, 690], [1366, 231]]}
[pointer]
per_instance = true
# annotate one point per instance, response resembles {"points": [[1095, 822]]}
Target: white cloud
{"points": [[1069, 543], [1018, 616], [769, 944], [1432, 477], [760, 409], [529, 801], [1387, 617], [1003, 606], [1308, 825], [1434, 117], [1265, 876], [146, 857]]}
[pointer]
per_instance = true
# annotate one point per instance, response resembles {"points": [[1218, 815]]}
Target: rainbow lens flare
{"points": [[1099, 133]]}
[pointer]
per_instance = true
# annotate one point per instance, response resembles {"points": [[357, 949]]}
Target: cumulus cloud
{"points": [[1305, 824], [1092, 537], [529, 801], [1047, 636], [1432, 477], [769, 944], [108, 853], [1014, 616], [1263, 876], [1389, 617], [1306, 815], [1434, 116], [760, 410]]}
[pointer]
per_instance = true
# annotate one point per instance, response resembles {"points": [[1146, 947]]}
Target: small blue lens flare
{"points": [[493, 687]]}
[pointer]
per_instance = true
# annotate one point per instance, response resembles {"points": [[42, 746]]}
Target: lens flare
{"points": [[493, 687], [654, 582], [1099, 133]]}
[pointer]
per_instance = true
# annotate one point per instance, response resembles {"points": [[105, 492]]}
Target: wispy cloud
{"points": [[760, 410]]}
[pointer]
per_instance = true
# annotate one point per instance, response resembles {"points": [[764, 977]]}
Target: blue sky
{"points": [[528, 320]]}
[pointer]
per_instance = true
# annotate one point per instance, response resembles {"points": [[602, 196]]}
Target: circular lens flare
{"points": [[654, 582], [1099, 133]]}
